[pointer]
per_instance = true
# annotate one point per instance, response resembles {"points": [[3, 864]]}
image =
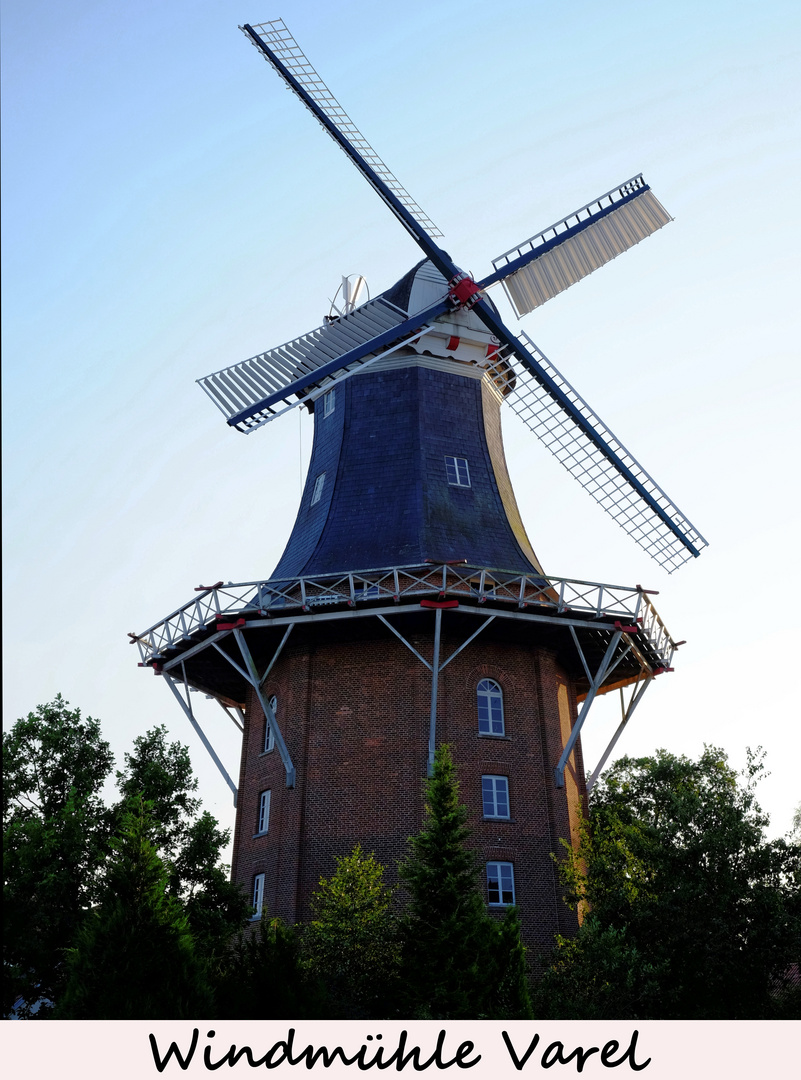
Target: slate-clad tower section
{"points": [[385, 498]]}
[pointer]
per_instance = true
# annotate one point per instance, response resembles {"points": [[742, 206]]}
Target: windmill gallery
{"points": [[409, 608]]}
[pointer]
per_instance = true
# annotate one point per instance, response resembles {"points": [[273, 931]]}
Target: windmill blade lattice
{"points": [[559, 256], [246, 392], [586, 462], [283, 46]]}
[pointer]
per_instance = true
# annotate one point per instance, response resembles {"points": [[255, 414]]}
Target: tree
{"points": [[190, 843], [55, 836], [56, 843], [459, 962], [693, 913], [263, 977], [353, 941], [134, 957]]}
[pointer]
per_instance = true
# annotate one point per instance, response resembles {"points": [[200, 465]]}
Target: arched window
{"points": [[269, 734], [490, 708]]}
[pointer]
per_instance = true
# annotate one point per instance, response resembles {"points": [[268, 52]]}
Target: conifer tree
{"points": [[459, 962], [134, 956], [263, 977]]}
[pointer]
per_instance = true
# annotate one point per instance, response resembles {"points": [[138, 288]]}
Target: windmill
{"points": [[256, 391], [409, 557]]}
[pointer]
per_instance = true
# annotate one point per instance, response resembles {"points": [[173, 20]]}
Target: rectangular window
{"points": [[258, 895], [318, 488], [457, 471], [329, 401], [500, 884], [264, 813], [495, 796]]}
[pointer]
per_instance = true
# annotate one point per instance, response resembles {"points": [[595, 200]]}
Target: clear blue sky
{"points": [[170, 209]]}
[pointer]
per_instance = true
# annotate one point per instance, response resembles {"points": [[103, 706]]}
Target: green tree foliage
{"points": [[694, 914], [190, 843], [459, 962], [55, 837], [353, 941], [263, 977], [134, 956], [56, 843]]}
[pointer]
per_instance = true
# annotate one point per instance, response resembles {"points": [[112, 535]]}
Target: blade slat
{"points": [[553, 260], [244, 384], [278, 39], [543, 415]]}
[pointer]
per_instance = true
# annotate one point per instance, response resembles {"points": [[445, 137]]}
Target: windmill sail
{"points": [[281, 50], [246, 392], [559, 256], [574, 448]]}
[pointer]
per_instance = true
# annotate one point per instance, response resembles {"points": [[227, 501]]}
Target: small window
{"points": [[264, 813], [258, 895], [269, 734], [318, 488], [457, 471], [490, 708], [495, 796], [500, 884], [329, 401]]}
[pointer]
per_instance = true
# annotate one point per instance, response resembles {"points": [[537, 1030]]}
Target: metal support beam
{"points": [[595, 684], [187, 707], [432, 730], [636, 696], [464, 645], [255, 682], [400, 637], [276, 654]]}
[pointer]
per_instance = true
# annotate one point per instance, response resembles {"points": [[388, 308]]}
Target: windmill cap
{"points": [[421, 287]]}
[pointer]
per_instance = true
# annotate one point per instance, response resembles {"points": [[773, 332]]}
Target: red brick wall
{"points": [[355, 717]]}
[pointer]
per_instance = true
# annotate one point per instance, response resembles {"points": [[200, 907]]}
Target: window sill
{"points": [[264, 753], [256, 835], [488, 735], [508, 820]]}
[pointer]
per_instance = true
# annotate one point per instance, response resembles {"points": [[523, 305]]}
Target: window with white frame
{"points": [[318, 488], [269, 734], [490, 708], [329, 401], [258, 895], [264, 813], [457, 472], [495, 796], [500, 884]]}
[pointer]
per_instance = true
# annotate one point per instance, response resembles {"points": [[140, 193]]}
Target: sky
{"points": [[169, 209]]}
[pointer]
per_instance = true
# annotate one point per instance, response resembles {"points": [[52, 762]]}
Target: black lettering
{"points": [[520, 1062], [400, 1061], [230, 1057], [581, 1055], [184, 1062], [312, 1056], [610, 1048], [629, 1053], [558, 1060], [465, 1049]]}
